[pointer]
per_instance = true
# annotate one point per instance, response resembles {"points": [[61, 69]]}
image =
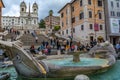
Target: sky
{"points": [[12, 7]]}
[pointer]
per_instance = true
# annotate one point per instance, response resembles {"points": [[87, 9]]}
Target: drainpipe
{"points": [[95, 19], [106, 30], [71, 22]]}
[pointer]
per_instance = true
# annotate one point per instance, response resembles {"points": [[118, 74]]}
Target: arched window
{"points": [[35, 10]]}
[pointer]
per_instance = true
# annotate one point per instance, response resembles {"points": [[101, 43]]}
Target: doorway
{"points": [[114, 40], [91, 38]]}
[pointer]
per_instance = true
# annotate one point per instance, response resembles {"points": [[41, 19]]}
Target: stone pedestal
{"points": [[58, 52]]}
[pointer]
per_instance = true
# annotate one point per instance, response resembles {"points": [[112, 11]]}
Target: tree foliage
{"points": [[56, 28], [51, 12], [42, 24]]}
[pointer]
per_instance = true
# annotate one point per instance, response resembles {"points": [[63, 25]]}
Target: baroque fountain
{"points": [[99, 59]]}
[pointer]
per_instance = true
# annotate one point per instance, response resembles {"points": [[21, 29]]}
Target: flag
{"points": [[96, 28]]}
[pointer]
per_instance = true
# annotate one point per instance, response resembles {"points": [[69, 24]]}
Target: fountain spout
{"points": [[76, 57]]}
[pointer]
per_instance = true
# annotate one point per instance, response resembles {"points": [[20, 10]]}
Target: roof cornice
{"points": [[2, 3]]}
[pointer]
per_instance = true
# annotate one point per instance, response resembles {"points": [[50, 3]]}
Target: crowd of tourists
{"points": [[64, 46]]}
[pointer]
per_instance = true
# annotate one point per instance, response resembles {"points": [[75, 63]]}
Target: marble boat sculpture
{"points": [[23, 62]]}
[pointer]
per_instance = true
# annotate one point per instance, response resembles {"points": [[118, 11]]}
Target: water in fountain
{"points": [[112, 74], [83, 62]]}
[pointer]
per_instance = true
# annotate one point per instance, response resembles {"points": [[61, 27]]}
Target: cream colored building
{"points": [[112, 11], [26, 20], [78, 17]]}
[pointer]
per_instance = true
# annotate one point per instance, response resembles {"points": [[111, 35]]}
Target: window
{"points": [[118, 14], [90, 14], [101, 27], [112, 13], [72, 8], [12, 23], [99, 3], [82, 27], [89, 2], [62, 15], [34, 21], [112, 4], [117, 4], [73, 30], [91, 26], [66, 31], [62, 24], [81, 16], [73, 20], [66, 21], [62, 32], [100, 15], [81, 3], [12, 19]]}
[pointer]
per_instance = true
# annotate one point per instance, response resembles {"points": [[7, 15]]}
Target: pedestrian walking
{"points": [[36, 39]]}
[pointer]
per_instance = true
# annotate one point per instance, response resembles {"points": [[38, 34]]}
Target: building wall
{"points": [[112, 11], [65, 21], [50, 22], [86, 21], [1, 6]]}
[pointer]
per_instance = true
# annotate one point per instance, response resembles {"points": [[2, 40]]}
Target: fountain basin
{"points": [[85, 62], [65, 67], [112, 74]]}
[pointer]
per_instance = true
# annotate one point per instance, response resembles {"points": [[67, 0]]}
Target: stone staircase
{"points": [[28, 39], [9, 35]]}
